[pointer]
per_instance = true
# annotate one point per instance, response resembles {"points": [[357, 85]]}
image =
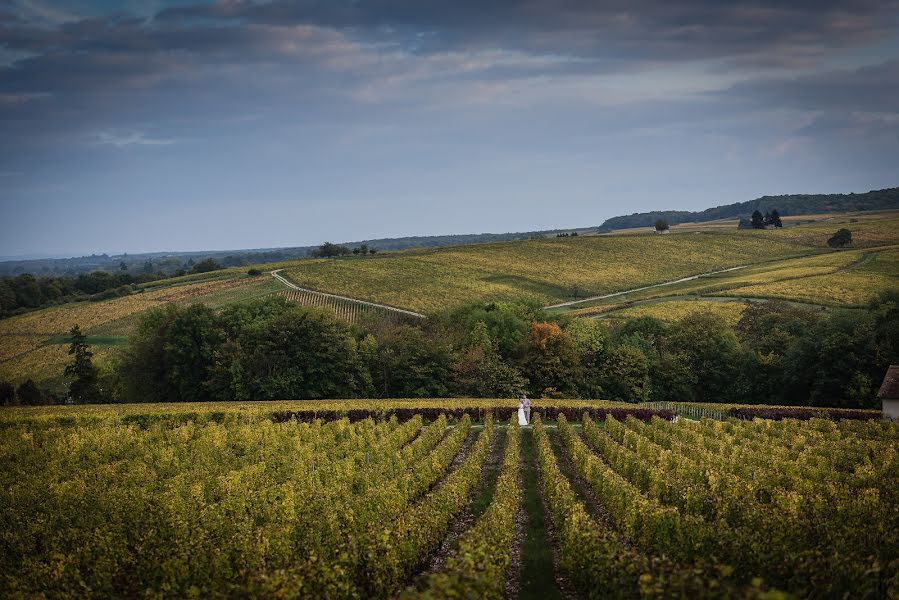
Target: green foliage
{"points": [[329, 250], [843, 237], [410, 364], [625, 375], [83, 388], [206, 266], [28, 394], [479, 370], [550, 361], [708, 350], [757, 221]]}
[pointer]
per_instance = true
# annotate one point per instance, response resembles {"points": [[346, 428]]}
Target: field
{"points": [[548, 271], [34, 344], [790, 264], [243, 499], [844, 279], [557, 270]]}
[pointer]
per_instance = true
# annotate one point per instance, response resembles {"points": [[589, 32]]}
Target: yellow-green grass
{"points": [[32, 346], [865, 233], [837, 263], [675, 310], [853, 287], [548, 270]]}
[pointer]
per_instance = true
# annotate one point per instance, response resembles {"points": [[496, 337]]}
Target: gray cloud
{"points": [[398, 99]]}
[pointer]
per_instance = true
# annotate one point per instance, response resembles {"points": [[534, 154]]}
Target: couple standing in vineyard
{"points": [[524, 410]]}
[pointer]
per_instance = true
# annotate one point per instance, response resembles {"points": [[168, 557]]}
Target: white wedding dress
{"points": [[522, 420]]}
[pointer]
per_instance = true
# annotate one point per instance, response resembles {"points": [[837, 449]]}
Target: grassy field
{"points": [[421, 499]]}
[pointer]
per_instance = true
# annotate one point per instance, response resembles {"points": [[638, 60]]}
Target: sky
{"points": [[155, 125]]}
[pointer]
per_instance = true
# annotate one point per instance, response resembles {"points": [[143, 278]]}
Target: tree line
{"points": [[791, 204], [26, 292], [270, 349]]}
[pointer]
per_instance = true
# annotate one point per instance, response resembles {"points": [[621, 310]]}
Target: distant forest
{"points": [[787, 205], [169, 263]]}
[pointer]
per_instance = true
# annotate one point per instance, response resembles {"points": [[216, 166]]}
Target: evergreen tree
{"points": [[758, 221], [775, 218], [84, 388]]}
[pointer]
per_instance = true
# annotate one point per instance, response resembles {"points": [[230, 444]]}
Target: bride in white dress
{"points": [[522, 418]]}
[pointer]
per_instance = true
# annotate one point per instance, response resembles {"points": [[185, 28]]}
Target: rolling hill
{"points": [[786, 205], [793, 263]]}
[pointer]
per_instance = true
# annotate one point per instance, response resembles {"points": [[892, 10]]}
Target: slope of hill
{"points": [[794, 204], [549, 270]]}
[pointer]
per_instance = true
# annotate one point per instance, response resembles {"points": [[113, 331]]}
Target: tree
{"points": [[123, 266], [775, 218], [479, 371], [626, 375], [835, 363], [148, 266], [757, 221], [329, 250], [83, 388], [661, 225], [28, 394], [591, 340], [296, 353], [843, 237], [7, 393], [206, 266], [170, 354], [551, 360], [709, 351], [409, 363]]}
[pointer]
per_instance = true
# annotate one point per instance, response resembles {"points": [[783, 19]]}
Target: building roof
{"points": [[890, 388]]}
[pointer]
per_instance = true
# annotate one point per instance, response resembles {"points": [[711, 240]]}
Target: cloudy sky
{"points": [[138, 125]]}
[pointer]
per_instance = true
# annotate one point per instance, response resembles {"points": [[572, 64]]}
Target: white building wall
{"points": [[891, 410]]}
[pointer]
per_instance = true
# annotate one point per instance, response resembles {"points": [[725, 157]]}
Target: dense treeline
{"points": [[787, 205], [270, 349], [27, 292], [170, 263]]}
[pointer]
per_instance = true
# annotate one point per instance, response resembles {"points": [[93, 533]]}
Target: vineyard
{"points": [[266, 501], [555, 270], [346, 309], [547, 270]]}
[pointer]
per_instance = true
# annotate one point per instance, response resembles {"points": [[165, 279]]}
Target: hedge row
{"points": [[572, 413], [778, 413]]}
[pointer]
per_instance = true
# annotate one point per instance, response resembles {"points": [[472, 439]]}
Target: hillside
{"points": [[549, 271], [562, 269], [786, 205]]}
